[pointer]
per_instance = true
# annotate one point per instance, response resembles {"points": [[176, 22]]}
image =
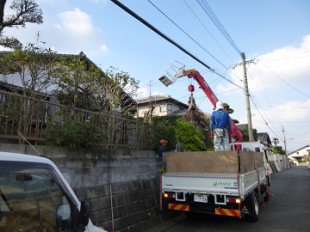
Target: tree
{"points": [[32, 65], [25, 11], [278, 150], [82, 84], [230, 111], [245, 134], [120, 88], [164, 127], [75, 81], [189, 136]]}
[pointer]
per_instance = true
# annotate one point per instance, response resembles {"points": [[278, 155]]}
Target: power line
{"points": [[205, 27], [207, 9], [286, 82], [169, 40], [263, 117], [189, 36]]}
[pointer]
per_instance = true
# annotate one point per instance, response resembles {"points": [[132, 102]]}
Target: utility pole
{"points": [[150, 88], [284, 140], [247, 98]]}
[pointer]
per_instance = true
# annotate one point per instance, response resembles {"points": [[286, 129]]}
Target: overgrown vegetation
{"points": [[75, 134], [175, 129], [189, 136], [245, 135], [278, 150]]}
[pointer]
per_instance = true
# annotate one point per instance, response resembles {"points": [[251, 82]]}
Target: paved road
{"points": [[287, 211]]}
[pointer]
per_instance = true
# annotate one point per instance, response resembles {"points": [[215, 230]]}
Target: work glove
{"points": [[211, 134]]}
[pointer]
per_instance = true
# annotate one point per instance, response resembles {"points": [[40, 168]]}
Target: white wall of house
{"points": [[15, 79], [301, 154], [161, 109]]}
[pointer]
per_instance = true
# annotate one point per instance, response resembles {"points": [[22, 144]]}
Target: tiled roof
{"points": [[159, 98]]}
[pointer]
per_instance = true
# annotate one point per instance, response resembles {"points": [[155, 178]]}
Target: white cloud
{"points": [[71, 32], [292, 117], [104, 49], [157, 93], [288, 64], [278, 83], [77, 22]]}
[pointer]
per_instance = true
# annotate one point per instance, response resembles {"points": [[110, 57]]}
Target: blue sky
{"points": [[274, 33]]}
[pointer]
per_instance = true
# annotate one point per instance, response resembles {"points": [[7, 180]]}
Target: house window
{"points": [[163, 108], [169, 107]]}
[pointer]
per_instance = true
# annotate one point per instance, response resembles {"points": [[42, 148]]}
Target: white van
{"points": [[34, 196]]}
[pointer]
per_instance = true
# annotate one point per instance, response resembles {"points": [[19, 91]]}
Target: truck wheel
{"points": [[253, 207], [266, 198]]}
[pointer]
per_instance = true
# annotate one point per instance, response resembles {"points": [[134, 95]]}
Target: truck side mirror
{"points": [[84, 213], [63, 216]]}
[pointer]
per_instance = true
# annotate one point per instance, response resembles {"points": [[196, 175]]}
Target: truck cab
{"points": [[34, 196], [256, 146]]}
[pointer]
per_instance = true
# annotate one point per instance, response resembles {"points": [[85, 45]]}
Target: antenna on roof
{"points": [[23, 137]]}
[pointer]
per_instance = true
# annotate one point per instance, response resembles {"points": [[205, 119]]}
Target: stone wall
{"points": [[121, 186]]}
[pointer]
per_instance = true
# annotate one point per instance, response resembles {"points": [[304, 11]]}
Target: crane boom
{"points": [[192, 73]]}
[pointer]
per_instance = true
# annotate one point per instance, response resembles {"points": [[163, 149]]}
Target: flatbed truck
{"points": [[228, 183]]}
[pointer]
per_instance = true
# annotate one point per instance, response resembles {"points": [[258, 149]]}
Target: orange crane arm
{"points": [[192, 73]]}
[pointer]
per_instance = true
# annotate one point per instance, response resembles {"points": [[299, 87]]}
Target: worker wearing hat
{"points": [[220, 128], [162, 147]]}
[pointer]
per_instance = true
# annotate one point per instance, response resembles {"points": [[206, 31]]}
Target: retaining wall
{"points": [[121, 186]]}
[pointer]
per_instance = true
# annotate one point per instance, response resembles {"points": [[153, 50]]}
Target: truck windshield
{"points": [[32, 202]]}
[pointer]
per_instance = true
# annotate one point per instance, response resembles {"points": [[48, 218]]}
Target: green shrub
{"points": [[190, 137], [74, 134]]}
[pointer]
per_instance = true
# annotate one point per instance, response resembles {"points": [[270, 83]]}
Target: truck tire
{"points": [[252, 205], [266, 197]]}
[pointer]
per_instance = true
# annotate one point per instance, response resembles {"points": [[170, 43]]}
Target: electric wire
{"points": [[206, 29], [226, 35], [297, 90], [189, 36], [204, 26], [170, 40], [263, 117], [207, 9]]}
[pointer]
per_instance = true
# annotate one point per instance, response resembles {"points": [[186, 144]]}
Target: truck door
{"points": [[34, 201]]}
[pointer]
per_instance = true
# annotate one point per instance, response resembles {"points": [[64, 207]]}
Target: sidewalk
{"points": [[167, 224]]}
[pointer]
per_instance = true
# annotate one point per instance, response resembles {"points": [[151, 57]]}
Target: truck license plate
{"points": [[201, 198]]}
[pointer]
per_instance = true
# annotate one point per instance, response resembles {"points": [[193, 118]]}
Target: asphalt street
{"points": [[288, 210]]}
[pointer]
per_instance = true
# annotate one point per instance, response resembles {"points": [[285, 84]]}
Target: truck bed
{"points": [[230, 173], [229, 162], [231, 184]]}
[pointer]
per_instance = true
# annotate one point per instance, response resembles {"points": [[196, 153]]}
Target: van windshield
{"points": [[32, 202]]}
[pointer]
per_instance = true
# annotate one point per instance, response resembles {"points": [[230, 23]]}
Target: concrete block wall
{"points": [[129, 178], [135, 205], [133, 184]]}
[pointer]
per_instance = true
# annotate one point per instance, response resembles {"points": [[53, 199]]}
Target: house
{"points": [[300, 155], [81, 96], [160, 106], [242, 126], [41, 83], [264, 138]]}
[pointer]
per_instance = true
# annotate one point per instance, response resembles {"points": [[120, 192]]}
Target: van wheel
{"points": [[253, 207]]}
